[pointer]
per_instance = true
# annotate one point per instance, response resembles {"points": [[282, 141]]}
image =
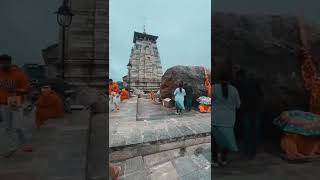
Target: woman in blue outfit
{"points": [[225, 102], [179, 95]]}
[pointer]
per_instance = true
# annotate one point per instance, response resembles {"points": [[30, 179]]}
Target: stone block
{"points": [[118, 140], [199, 175], [163, 172], [162, 134], [201, 161], [148, 149], [159, 158], [133, 165], [139, 175], [123, 154], [172, 145], [149, 136], [193, 141], [184, 166], [196, 128], [174, 132], [135, 137], [185, 130]]}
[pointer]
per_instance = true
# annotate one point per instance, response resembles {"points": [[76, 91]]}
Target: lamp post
{"points": [[129, 74], [64, 19]]}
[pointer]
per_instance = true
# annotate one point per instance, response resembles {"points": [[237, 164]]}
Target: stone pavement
{"points": [[130, 138], [125, 130], [266, 166], [160, 145], [193, 163], [60, 149], [97, 156]]}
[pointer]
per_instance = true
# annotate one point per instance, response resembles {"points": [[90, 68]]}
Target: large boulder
{"points": [[193, 75], [268, 47]]}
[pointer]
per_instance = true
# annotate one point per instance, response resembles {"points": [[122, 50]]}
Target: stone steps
{"points": [[192, 163], [160, 131], [143, 138]]}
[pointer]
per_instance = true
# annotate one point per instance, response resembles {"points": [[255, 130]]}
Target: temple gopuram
{"points": [[146, 70]]}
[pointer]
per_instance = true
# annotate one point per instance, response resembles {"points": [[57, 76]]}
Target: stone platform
{"points": [[129, 138], [59, 150], [190, 164]]}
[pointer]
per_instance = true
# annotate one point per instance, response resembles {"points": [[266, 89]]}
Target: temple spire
{"points": [[144, 25]]}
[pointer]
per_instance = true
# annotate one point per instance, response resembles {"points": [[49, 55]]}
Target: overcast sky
{"points": [[27, 27], [308, 8], [183, 27]]}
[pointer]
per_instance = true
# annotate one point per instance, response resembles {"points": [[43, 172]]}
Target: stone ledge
{"points": [[144, 149]]}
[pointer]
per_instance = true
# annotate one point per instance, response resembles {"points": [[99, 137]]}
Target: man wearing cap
{"points": [[14, 85]]}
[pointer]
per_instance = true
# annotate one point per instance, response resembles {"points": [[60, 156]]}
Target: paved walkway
{"points": [[60, 149], [124, 130], [191, 164], [160, 145]]}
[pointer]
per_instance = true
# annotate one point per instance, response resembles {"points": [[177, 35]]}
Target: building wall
{"points": [[86, 43]]}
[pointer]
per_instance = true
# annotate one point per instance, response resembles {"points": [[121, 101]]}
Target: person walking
{"points": [[113, 87], [14, 86], [225, 102], [179, 94], [189, 96]]}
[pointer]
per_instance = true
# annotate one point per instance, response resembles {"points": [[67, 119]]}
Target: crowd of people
{"points": [[116, 96], [15, 90], [184, 95]]}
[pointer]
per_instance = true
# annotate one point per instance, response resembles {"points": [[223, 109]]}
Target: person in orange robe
{"points": [[49, 105], [202, 107], [14, 85], [207, 84], [152, 96], [114, 171], [299, 147], [124, 94], [113, 87]]}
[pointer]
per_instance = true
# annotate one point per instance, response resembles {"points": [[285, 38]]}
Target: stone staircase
{"points": [[193, 163], [148, 137]]}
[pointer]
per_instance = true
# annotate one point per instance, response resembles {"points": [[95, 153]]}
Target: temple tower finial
{"points": [[144, 25]]}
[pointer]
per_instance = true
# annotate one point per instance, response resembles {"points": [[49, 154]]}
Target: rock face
{"points": [[193, 75], [267, 47]]}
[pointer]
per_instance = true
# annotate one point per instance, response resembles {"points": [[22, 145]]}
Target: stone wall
{"points": [[87, 43]]}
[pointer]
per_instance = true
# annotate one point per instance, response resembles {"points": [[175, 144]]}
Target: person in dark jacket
{"points": [[189, 96], [249, 114]]}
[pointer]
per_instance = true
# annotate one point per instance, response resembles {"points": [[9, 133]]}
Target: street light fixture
{"points": [[129, 74], [64, 19]]}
